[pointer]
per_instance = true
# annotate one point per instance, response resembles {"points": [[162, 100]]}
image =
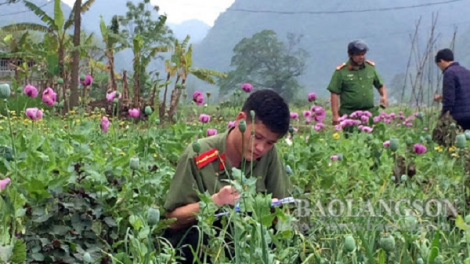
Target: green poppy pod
{"points": [[5, 90]]}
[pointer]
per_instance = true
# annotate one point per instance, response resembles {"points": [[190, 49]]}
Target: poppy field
{"points": [[89, 186]]}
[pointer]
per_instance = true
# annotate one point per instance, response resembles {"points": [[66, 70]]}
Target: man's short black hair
{"points": [[444, 54], [270, 108]]}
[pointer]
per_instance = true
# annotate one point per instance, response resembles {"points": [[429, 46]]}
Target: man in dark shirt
{"points": [[456, 88]]}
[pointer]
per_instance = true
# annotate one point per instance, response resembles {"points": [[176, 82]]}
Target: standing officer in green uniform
{"points": [[206, 170], [351, 84]]}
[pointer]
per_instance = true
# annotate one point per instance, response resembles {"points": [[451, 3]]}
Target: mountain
{"points": [[105, 8], [195, 28], [16, 13], [327, 27]]}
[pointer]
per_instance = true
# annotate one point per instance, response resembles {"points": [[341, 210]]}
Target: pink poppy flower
{"points": [[342, 118], [364, 119], [367, 129], [308, 120], [318, 126], [196, 94], [211, 132], [104, 124], [112, 95], [49, 96], [33, 113], [419, 149], [247, 87], [334, 157], [294, 115], [198, 98], [320, 115], [30, 91], [356, 122], [87, 81], [312, 97], [408, 123], [315, 108], [231, 124], [203, 118], [4, 182], [134, 112], [386, 144]]}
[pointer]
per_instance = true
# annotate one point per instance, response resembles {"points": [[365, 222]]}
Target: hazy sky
{"points": [[181, 10]]}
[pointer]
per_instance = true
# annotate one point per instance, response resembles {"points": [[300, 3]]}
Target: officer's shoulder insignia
{"points": [[370, 62], [340, 66], [206, 157]]}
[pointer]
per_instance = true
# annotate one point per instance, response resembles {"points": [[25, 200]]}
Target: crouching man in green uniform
{"points": [[206, 170], [351, 84]]}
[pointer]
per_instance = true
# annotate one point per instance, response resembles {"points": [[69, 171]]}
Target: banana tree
{"points": [[26, 50], [55, 29], [110, 38], [181, 66], [13, 49], [141, 61]]}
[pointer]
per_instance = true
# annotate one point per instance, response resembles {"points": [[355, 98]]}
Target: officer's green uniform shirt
{"points": [[272, 177], [354, 86]]}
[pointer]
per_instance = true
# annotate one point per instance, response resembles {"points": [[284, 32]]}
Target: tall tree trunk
{"points": [[112, 86], [76, 55], [136, 90], [125, 89], [175, 95], [162, 108], [63, 75], [153, 92]]}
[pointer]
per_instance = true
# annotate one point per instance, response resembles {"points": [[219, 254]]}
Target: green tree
{"points": [[266, 62], [181, 66], [55, 29], [110, 38], [140, 21], [146, 37], [77, 21]]}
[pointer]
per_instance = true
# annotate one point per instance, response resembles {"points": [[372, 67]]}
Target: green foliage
{"points": [[145, 36], [49, 54], [66, 225], [139, 20], [81, 195], [266, 62], [19, 102]]}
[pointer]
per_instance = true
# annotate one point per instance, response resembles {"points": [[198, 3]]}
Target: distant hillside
{"points": [[195, 28], [105, 8], [16, 13], [326, 34]]}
